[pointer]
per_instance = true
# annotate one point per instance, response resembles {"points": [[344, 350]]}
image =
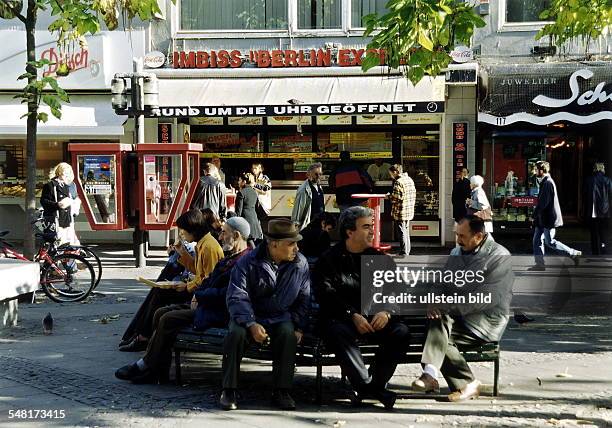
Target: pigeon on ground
{"points": [[48, 324]]}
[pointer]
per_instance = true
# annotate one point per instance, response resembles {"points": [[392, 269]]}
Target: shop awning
{"points": [[86, 116], [546, 93], [427, 96]]}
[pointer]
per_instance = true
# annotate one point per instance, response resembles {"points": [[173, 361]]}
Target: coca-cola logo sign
{"points": [[462, 54], [154, 59]]}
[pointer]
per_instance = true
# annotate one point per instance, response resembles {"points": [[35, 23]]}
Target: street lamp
{"points": [[136, 95]]}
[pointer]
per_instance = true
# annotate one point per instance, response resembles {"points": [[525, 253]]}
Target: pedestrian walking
{"points": [[403, 198], [309, 198], [211, 192], [599, 189], [478, 203], [246, 199], [216, 161], [263, 187], [546, 218], [58, 203]]}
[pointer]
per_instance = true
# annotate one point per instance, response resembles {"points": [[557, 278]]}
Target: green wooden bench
{"points": [[312, 352]]}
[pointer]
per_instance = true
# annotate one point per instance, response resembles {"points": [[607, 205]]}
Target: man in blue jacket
{"points": [[268, 299], [207, 309]]}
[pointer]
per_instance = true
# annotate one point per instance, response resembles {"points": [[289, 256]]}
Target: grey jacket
{"points": [[486, 320], [246, 199], [301, 206], [210, 194]]}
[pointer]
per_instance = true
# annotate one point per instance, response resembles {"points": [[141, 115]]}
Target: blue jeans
{"points": [[546, 237]]}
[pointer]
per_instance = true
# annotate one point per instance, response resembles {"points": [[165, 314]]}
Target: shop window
{"points": [[319, 14], [243, 142], [233, 15], [519, 11], [355, 142], [290, 142], [361, 8], [421, 160]]}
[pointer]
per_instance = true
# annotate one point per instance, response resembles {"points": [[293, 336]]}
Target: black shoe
{"points": [[135, 346], [282, 400], [228, 399], [146, 377], [576, 258], [385, 396], [128, 372], [521, 318], [126, 341], [537, 268]]}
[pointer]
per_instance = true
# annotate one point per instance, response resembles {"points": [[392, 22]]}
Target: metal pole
{"points": [[138, 107]]}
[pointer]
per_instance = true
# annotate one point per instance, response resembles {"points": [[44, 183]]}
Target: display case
{"points": [[98, 171]]}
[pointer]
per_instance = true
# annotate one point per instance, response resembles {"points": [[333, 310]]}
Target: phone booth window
{"points": [[97, 174], [162, 176]]}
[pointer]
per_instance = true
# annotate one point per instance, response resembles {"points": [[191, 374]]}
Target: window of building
{"points": [[421, 160], [519, 11], [319, 14], [361, 8], [233, 15], [229, 141]]}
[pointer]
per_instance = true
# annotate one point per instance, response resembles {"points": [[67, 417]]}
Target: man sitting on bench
{"points": [[207, 310], [337, 282], [467, 324], [268, 299]]}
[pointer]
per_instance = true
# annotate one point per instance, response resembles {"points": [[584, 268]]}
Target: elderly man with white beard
{"points": [[207, 309]]}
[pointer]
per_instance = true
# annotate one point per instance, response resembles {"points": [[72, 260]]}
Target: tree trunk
{"points": [[32, 122]]}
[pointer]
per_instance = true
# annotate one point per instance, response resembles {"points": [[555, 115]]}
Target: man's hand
{"points": [[194, 303], [180, 286], [258, 332], [380, 320], [64, 203], [180, 248], [434, 314], [362, 324], [299, 336]]}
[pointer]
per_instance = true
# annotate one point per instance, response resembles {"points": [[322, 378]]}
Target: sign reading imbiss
{"points": [[274, 58]]}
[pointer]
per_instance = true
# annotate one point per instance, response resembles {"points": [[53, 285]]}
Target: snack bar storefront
{"points": [[561, 113], [285, 120]]}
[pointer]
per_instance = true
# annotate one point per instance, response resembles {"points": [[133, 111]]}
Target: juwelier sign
{"points": [[547, 93]]}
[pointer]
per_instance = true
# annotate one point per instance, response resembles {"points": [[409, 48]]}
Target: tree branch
{"points": [[17, 13]]}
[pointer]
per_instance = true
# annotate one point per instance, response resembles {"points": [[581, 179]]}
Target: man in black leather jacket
{"points": [[599, 189], [337, 286]]}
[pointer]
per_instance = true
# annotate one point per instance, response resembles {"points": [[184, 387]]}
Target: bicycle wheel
{"points": [[67, 278], [89, 255]]}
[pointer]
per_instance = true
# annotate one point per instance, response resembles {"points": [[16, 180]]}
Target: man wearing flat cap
{"points": [[268, 298]]}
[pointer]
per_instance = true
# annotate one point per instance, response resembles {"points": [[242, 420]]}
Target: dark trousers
{"points": [[440, 350], [599, 235], [283, 343], [142, 323], [393, 341], [402, 234], [168, 321]]}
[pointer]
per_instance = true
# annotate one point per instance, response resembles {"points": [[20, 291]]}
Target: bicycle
{"points": [[64, 276]]}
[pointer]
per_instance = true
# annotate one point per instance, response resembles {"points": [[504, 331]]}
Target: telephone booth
{"points": [[98, 171], [168, 175]]}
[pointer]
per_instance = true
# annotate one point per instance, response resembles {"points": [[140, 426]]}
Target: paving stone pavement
{"points": [[554, 372]]}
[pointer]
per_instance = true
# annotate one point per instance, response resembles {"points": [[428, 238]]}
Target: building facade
{"points": [[538, 104], [279, 82]]}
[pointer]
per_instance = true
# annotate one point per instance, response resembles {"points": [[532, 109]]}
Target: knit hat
{"points": [[239, 224]]}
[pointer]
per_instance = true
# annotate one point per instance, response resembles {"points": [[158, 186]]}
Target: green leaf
{"points": [[415, 74], [371, 60], [424, 40], [43, 117]]}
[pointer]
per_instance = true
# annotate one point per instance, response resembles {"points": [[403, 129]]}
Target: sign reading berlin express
{"points": [[459, 147]]}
